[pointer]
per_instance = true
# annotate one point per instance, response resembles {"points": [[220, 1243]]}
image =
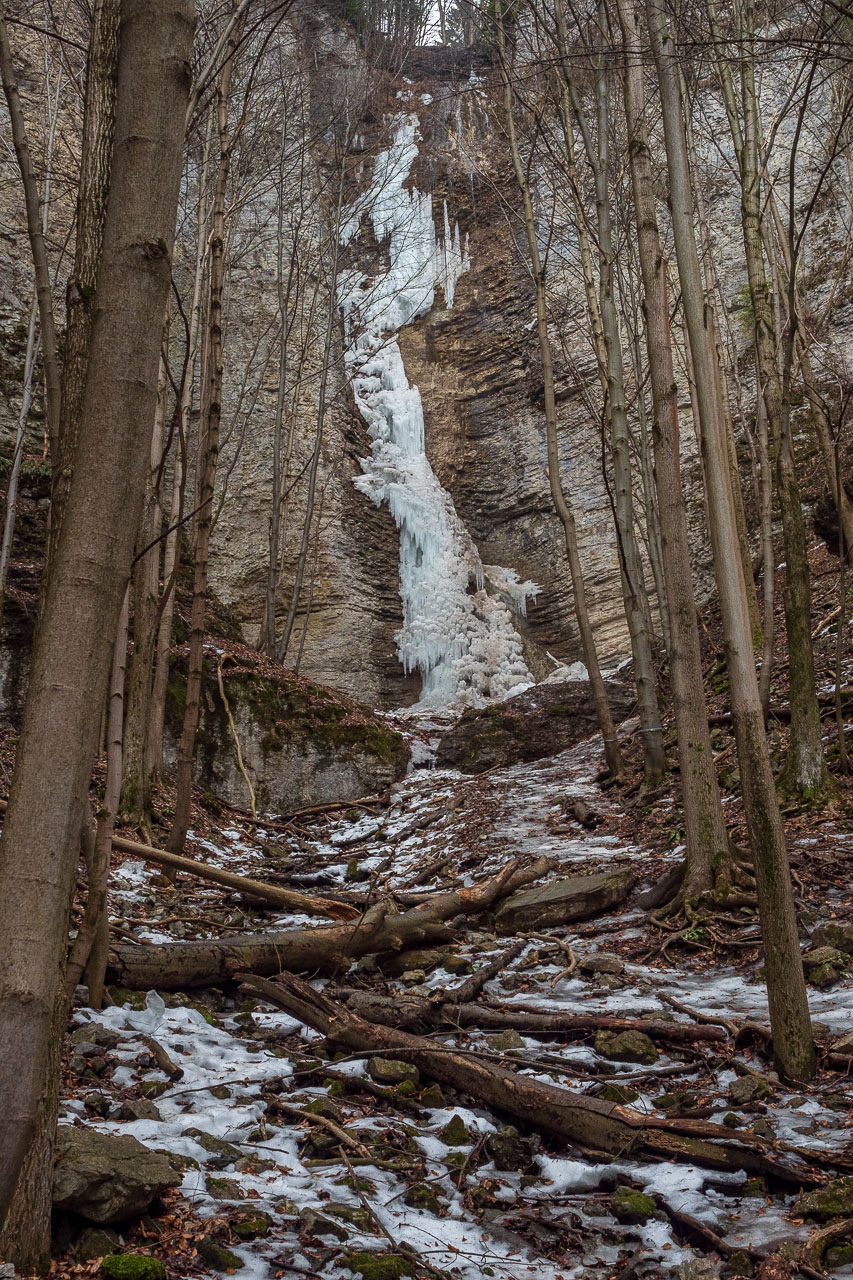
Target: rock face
{"points": [[301, 744], [561, 901], [107, 1178], [540, 722]]}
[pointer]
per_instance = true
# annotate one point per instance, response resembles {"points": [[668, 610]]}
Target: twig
{"points": [[233, 728]]}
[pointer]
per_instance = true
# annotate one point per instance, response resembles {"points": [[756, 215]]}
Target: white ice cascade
{"points": [[458, 634]]}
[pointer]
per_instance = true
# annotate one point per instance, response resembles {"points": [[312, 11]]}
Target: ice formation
{"points": [[457, 628]]}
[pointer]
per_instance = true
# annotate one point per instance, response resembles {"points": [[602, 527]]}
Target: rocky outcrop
{"points": [[301, 744], [560, 901], [540, 722], [107, 1177]]}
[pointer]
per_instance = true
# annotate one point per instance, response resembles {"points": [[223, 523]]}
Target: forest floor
{"points": [[425, 1186]]}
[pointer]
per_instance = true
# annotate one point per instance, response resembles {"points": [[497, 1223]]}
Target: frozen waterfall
{"points": [[457, 621]]}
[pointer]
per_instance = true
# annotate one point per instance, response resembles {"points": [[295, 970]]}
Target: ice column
{"points": [[457, 621]]}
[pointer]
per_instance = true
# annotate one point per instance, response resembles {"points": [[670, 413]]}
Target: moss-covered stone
{"points": [[838, 1255], [353, 1214], [379, 1266], [505, 1041], [220, 1153], [835, 1200], [421, 1196], [253, 1226], [749, 1089], [454, 1133], [406, 1089], [223, 1189], [754, 1188], [630, 1206], [132, 1266], [738, 1263], [319, 1225], [217, 1256], [508, 1151], [432, 1096], [621, 1093], [324, 1107], [626, 1046], [392, 1071]]}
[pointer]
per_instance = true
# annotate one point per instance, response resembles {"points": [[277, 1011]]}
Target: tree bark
{"points": [[705, 827], [211, 415], [793, 1044], [40, 841]]}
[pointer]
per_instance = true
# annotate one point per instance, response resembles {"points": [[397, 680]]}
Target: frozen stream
{"points": [[228, 1057]]}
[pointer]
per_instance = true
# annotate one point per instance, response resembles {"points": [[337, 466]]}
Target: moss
{"points": [[218, 1257], [382, 1266], [840, 1255], [617, 1093], [432, 1096], [832, 1201], [420, 1196], [454, 1133], [132, 1266], [252, 1227], [631, 1206]]}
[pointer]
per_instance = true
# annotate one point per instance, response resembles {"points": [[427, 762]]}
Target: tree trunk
{"points": [[612, 753], [211, 414], [70, 661], [705, 827], [793, 1045], [98, 129]]}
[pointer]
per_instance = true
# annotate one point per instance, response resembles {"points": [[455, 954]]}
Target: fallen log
{"points": [[173, 966], [405, 1011], [286, 899], [588, 1122]]}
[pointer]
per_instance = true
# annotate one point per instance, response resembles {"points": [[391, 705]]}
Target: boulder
{"points": [[107, 1177], [541, 721], [626, 1046], [392, 1071], [302, 744], [560, 901], [835, 1200], [834, 933], [630, 1206]]}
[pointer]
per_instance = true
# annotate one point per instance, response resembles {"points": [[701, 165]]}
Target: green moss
{"points": [[252, 1227], [832, 1201], [454, 1133], [382, 1266], [218, 1257], [420, 1196], [132, 1266], [631, 1206]]}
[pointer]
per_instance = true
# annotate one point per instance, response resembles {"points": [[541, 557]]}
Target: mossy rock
{"points": [[379, 1266], [319, 1225], [749, 1089], [421, 1196], [838, 1255], [621, 1093], [221, 1153], [630, 1206], [432, 1096], [392, 1071], [253, 1227], [355, 1215], [626, 1046], [508, 1151], [223, 1189], [754, 1189], [454, 1133], [835, 1200], [505, 1041], [217, 1256], [132, 1266], [824, 976], [324, 1107]]}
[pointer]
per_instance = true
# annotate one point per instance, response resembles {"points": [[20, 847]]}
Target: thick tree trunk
{"points": [[612, 753], [70, 662], [705, 827], [793, 1045], [211, 415]]}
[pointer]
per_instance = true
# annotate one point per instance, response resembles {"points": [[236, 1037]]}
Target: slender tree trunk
{"points": [[70, 661], [631, 571], [38, 248], [708, 858], [134, 759], [768, 556], [793, 1045], [612, 753], [98, 129], [211, 414], [15, 470]]}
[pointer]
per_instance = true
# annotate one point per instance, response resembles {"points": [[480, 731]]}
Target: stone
{"points": [[454, 1133], [457, 964], [379, 1266], [561, 901], [223, 1189], [823, 976], [392, 1071], [155, 1088], [96, 1242], [107, 1177], [94, 1033], [421, 1196], [621, 1093], [600, 963], [132, 1266], [835, 1200], [217, 1256], [838, 1255], [98, 1103], [252, 1227], [504, 1041], [425, 958], [738, 1263], [413, 977], [324, 1107], [626, 1046], [748, 1089], [676, 1101], [432, 1096], [817, 956], [630, 1206], [508, 1151], [754, 1189], [539, 722], [139, 1109], [221, 1154], [317, 1224], [844, 1044], [834, 933], [353, 1214]]}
